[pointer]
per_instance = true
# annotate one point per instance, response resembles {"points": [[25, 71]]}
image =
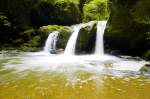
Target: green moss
{"points": [[96, 10], [32, 44], [51, 28], [64, 33], [73, 1], [4, 20], [24, 37]]}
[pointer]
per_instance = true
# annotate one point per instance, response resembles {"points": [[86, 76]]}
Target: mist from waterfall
{"points": [[99, 46], [51, 41]]}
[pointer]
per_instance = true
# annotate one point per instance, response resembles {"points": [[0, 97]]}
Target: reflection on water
{"points": [[80, 79]]}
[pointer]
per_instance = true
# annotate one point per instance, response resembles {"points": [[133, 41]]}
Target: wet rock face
{"points": [[86, 40], [125, 32]]}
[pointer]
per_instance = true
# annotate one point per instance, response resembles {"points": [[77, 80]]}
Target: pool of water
{"points": [[45, 76]]}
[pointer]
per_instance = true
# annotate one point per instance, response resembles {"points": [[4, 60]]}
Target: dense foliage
{"points": [[96, 10], [128, 26]]}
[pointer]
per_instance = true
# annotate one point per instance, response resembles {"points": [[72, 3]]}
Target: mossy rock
{"points": [[86, 39], [64, 34]]}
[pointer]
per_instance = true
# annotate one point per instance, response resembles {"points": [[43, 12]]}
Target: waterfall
{"points": [[99, 47], [70, 48], [51, 42]]}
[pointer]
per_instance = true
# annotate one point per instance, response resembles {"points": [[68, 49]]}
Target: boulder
{"points": [[64, 34], [86, 39]]}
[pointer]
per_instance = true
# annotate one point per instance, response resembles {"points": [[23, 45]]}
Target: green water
{"points": [[77, 84]]}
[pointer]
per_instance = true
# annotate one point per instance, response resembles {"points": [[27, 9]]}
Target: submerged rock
{"points": [[58, 51]]}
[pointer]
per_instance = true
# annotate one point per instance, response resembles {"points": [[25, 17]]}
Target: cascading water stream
{"points": [[70, 48], [99, 46], [51, 42]]}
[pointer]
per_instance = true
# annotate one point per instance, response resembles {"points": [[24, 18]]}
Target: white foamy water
{"points": [[61, 63], [51, 42], [70, 48], [99, 47]]}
